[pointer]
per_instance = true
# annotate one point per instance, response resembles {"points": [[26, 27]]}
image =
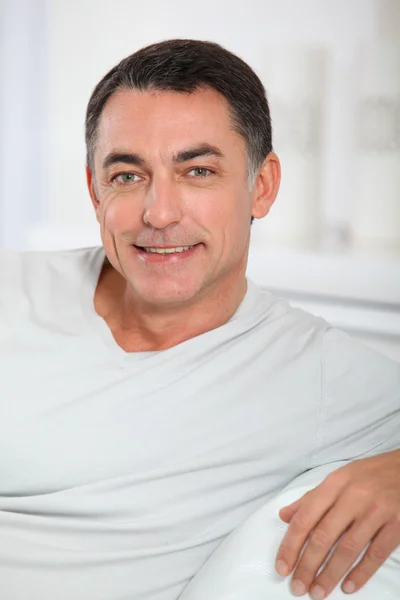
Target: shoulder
{"points": [[23, 273], [278, 314], [276, 329], [349, 364]]}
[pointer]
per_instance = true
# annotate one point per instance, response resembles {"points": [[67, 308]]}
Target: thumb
{"points": [[287, 512]]}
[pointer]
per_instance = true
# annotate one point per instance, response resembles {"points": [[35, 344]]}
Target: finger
{"points": [[382, 546], [286, 513], [320, 542], [347, 551], [310, 512]]}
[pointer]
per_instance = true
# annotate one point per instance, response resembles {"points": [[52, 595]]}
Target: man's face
{"points": [[170, 175]]}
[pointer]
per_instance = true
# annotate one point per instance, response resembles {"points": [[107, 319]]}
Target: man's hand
{"points": [[359, 505]]}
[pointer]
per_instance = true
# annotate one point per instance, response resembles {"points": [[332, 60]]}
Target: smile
{"points": [[167, 250]]}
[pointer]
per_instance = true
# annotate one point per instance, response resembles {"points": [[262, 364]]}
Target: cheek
{"points": [[226, 217], [227, 209], [234, 211], [215, 207], [236, 225], [119, 214]]}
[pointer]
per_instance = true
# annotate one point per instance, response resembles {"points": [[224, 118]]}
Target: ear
{"points": [[266, 186], [92, 190]]}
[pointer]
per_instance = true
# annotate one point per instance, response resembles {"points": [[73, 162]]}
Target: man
{"points": [[153, 397]]}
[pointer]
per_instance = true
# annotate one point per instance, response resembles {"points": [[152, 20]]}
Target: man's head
{"points": [[179, 153], [185, 66]]}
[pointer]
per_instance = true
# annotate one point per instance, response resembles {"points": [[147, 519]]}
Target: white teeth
{"points": [[167, 250]]}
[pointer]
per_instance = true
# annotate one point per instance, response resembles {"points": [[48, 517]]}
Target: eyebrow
{"points": [[134, 159], [196, 151], [123, 157]]}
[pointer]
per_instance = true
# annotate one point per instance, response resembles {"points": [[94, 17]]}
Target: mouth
{"points": [[166, 255], [165, 251]]}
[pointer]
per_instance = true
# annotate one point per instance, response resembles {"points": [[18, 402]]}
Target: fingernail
{"points": [[349, 587], [298, 587], [282, 568], [318, 593]]}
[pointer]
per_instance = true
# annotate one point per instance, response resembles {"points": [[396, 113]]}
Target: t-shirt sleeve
{"points": [[360, 405]]}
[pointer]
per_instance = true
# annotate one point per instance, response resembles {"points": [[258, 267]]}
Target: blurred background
{"points": [[331, 243]]}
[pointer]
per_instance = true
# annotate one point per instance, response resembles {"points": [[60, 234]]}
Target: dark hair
{"points": [[184, 66]]}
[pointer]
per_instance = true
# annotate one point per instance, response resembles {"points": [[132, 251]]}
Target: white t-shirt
{"points": [[120, 473]]}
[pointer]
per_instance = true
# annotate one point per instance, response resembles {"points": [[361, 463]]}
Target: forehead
{"points": [[166, 121]]}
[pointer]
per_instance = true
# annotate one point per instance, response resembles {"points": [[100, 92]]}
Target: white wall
{"points": [[23, 100]]}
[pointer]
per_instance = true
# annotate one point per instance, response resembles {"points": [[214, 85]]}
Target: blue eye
{"points": [[201, 171]]}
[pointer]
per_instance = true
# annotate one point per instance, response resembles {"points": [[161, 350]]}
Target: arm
{"points": [[360, 417], [241, 568]]}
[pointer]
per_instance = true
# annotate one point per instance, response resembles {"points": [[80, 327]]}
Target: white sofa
{"points": [[242, 568]]}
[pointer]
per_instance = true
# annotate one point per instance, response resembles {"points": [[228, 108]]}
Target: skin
{"points": [[169, 199], [169, 170]]}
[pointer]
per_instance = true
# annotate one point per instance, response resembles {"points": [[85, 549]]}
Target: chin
{"points": [[167, 293]]}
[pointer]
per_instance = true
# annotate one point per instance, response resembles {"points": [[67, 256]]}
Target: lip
{"points": [[175, 258]]}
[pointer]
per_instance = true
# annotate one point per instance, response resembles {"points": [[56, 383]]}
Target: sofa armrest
{"points": [[242, 567]]}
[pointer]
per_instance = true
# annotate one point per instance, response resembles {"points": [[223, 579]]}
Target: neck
{"points": [[137, 327]]}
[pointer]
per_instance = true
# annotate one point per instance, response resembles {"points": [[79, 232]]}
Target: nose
{"points": [[163, 205]]}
